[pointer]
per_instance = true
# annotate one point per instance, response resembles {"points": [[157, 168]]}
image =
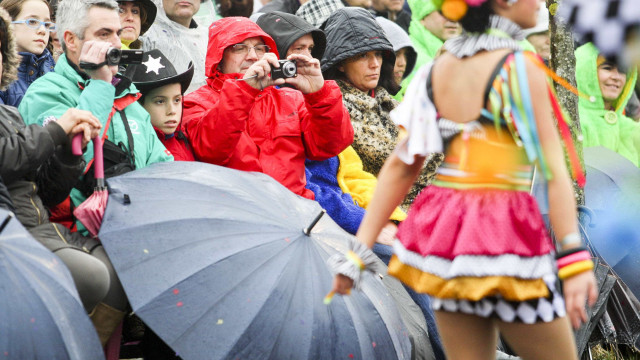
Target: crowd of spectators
{"points": [[204, 92]]}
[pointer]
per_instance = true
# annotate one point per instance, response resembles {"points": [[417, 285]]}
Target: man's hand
{"points": [[75, 121], [309, 79], [258, 75], [95, 52]]}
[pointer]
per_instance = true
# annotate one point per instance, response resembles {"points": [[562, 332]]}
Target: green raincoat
{"points": [[600, 126], [424, 42], [54, 93]]}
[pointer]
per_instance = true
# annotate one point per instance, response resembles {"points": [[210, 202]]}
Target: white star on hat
{"points": [[153, 65]]}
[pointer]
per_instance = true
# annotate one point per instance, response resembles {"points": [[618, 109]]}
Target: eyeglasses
{"points": [[36, 24], [244, 49]]}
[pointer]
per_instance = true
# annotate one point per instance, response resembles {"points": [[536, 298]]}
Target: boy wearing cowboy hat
{"points": [[162, 90]]}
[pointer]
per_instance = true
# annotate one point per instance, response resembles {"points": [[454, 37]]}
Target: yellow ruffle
{"points": [[468, 287]]}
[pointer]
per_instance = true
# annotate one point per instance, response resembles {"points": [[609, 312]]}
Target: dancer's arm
{"points": [[394, 181], [562, 205]]}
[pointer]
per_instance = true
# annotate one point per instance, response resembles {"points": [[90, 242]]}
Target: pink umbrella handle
{"points": [[76, 144], [98, 160]]}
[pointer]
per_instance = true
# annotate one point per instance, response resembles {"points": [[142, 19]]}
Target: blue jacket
{"points": [[31, 67], [322, 180]]}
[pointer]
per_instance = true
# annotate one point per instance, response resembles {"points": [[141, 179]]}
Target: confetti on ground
{"points": [[145, 251], [374, 344], [220, 322], [176, 291], [179, 304]]}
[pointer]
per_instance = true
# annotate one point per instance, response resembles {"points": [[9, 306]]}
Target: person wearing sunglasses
{"points": [[243, 118], [33, 26]]}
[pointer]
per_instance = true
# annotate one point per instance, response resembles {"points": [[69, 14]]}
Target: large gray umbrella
{"points": [[41, 316], [228, 264]]}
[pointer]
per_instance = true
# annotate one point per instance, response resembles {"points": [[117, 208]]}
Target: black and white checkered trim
{"points": [[606, 23], [528, 312]]}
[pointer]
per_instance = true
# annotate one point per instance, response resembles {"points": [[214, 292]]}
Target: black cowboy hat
{"points": [[156, 71], [151, 10]]}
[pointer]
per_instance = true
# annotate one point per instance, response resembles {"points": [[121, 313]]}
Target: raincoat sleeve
{"points": [[326, 125], [358, 183], [59, 175], [221, 130], [25, 148], [321, 179], [45, 101]]}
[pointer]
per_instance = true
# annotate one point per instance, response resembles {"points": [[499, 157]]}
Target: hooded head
{"points": [[10, 59], [285, 29], [421, 8], [587, 78], [228, 32], [352, 31], [399, 40]]}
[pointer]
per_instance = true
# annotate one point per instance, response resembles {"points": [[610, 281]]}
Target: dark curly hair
{"points": [[476, 20]]}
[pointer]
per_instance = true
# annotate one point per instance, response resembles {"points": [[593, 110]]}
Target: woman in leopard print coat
{"points": [[361, 61]]}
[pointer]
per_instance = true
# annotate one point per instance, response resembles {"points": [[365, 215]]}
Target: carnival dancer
{"points": [[475, 240]]}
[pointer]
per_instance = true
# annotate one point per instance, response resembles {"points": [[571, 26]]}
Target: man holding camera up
{"points": [[245, 120], [82, 79]]}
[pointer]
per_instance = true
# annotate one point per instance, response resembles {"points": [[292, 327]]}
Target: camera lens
{"points": [[113, 56], [289, 69]]}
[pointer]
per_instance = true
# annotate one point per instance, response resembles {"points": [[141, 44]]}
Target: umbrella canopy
{"points": [[612, 191], [216, 261], [612, 25], [41, 316]]}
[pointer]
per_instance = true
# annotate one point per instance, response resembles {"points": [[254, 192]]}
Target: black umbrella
{"points": [[228, 264], [41, 316]]}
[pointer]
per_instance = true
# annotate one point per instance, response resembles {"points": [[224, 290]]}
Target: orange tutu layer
{"points": [[468, 287]]}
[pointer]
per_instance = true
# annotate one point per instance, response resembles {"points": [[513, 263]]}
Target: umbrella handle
{"points": [[76, 144], [98, 158]]}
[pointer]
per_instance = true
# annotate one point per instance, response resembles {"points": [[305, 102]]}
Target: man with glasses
{"points": [[245, 120]]}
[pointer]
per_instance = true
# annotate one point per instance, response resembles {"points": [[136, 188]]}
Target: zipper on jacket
{"points": [[34, 204]]}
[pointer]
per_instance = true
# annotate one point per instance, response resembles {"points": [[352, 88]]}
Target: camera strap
{"points": [[91, 66], [123, 116]]}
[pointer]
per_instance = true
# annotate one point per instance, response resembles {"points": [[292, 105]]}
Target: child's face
{"points": [[29, 39], [164, 104]]}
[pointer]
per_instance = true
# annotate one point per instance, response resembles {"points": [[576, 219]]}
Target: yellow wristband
{"points": [[355, 259], [575, 269]]}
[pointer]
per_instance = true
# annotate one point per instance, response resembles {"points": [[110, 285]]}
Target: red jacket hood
{"points": [[229, 31]]}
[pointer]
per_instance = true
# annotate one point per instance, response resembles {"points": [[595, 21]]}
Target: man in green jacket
{"points": [[111, 98], [87, 29]]}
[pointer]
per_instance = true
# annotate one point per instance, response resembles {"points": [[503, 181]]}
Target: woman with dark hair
{"points": [[136, 17], [361, 60], [475, 240]]}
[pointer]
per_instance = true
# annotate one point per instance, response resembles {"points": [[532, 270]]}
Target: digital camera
{"points": [[287, 69], [123, 57]]}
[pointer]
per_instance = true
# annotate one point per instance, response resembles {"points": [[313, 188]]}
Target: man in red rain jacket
{"points": [[244, 120]]}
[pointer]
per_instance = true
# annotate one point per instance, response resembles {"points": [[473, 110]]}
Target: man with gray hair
{"points": [[82, 79]]}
